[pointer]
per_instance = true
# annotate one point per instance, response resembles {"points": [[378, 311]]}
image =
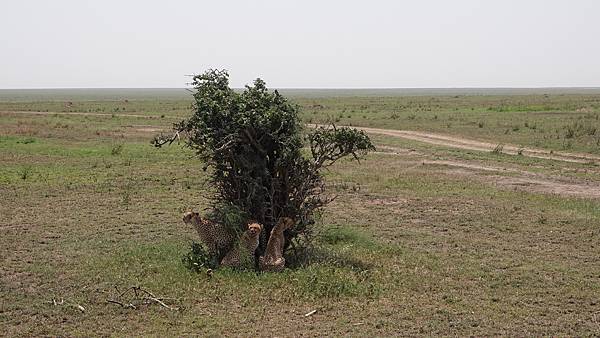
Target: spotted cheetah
{"points": [[243, 253], [216, 238], [273, 259]]}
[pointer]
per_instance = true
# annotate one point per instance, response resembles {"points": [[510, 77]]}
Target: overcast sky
{"points": [[306, 44]]}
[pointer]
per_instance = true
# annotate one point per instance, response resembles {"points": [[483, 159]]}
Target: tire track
{"points": [[505, 177], [469, 144], [86, 114]]}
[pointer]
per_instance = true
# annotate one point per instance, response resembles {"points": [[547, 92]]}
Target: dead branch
{"points": [[225, 145], [130, 305], [161, 139], [139, 295], [162, 303], [308, 314], [252, 141], [62, 301]]}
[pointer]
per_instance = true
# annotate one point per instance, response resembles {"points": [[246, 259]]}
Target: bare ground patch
{"points": [[469, 144], [466, 259], [508, 177], [78, 113]]}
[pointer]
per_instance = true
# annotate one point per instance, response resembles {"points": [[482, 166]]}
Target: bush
{"points": [[252, 144], [25, 172], [117, 149], [198, 258]]}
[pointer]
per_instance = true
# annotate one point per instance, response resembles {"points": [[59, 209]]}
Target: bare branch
{"points": [[137, 291], [162, 304], [161, 139], [121, 304], [225, 145], [255, 144]]}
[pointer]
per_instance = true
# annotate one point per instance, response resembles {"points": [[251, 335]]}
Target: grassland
{"points": [[423, 239]]}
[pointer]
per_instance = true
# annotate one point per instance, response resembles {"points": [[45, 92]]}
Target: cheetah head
{"points": [[190, 217], [285, 223], [254, 228]]}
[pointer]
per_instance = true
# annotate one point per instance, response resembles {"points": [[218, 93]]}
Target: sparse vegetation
{"points": [[198, 259], [25, 172], [498, 149], [117, 149], [422, 247]]}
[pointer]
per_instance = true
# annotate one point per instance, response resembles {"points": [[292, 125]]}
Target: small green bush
{"points": [[198, 258], [117, 149], [25, 172]]}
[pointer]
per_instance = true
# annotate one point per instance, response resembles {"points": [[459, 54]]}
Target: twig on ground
{"points": [[54, 302], [79, 307], [62, 301], [122, 305], [141, 296], [162, 303], [310, 313]]}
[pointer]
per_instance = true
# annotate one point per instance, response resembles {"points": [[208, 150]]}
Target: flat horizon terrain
{"points": [[477, 215], [77, 94]]}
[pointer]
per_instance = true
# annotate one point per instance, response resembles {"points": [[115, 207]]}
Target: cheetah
{"points": [[273, 259], [243, 252], [216, 238]]}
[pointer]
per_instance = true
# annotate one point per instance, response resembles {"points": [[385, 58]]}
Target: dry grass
{"points": [[405, 249]]}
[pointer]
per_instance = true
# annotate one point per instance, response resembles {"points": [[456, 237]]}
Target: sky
{"points": [[300, 44]]}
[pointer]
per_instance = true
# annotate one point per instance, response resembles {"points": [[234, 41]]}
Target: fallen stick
{"points": [[139, 296], [310, 313], [130, 305], [162, 303]]}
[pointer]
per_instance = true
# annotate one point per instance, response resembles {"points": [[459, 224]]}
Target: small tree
{"points": [[253, 143]]}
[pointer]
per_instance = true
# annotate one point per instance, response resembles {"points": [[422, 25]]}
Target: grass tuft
{"points": [[498, 149], [25, 172], [117, 149]]}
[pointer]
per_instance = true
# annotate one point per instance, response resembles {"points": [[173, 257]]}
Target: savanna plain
{"points": [[479, 214]]}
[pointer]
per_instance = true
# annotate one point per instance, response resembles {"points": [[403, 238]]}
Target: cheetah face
{"points": [[189, 216], [286, 223], [254, 228]]}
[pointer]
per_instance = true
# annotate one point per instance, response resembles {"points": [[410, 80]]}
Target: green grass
{"points": [[91, 209], [557, 121], [528, 120]]}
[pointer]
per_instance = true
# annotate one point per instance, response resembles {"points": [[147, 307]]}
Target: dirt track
{"points": [[425, 137], [497, 175], [507, 177], [78, 113], [468, 144]]}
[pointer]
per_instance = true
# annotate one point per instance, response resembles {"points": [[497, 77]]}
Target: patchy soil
{"points": [[500, 176], [507, 177], [145, 128], [426, 137], [445, 254], [77, 113], [469, 144]]}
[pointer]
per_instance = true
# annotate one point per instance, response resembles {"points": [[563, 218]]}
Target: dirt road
{"points": [[85, 114], [503, 177], [431, 138], [469, 144], [498, 175]]}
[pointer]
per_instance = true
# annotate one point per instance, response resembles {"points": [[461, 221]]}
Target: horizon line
{"points": [[316, 88]]}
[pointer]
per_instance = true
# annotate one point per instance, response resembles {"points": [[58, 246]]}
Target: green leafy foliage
{"points": [[252, 141], [198, 258]]}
